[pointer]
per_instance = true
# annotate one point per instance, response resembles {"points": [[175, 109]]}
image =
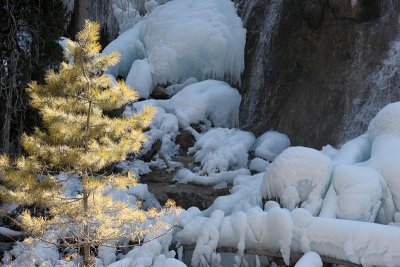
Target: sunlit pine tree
{"points": [[78, 138]]}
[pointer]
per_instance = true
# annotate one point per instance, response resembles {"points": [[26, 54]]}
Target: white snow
{"points": [[182, 39], [271, 144], [298, 176]]}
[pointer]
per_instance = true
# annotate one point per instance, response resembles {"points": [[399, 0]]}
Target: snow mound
{"points": [[182, 39], [387, 121], [211, 102], [298, 175], [222, 149], [271, 144], [358, 191]]}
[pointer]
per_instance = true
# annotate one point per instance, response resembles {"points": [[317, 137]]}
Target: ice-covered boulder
{"points": [[387, 121], [212, 102], [359, 192], [202, 39], [310, 259], [271, 144], [222, 149], [298, 176], [385, 158], [182, 39], [139, 78]]}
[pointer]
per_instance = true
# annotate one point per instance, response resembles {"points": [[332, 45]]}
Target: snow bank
{"points": [[271, 144], [387, 121], [310, 259], [298, 175], [222, 149], [183, 39], [211, 101]]}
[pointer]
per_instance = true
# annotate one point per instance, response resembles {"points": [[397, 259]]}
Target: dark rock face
{"points": [[309, 65]]}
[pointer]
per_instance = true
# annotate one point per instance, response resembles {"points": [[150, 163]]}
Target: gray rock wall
{"points": [[309, 65]]}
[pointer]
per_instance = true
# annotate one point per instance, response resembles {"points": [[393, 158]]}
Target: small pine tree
{"points": [[78, 138]]}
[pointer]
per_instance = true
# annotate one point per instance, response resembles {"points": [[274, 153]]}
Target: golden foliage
{"points": [[78, 138]]}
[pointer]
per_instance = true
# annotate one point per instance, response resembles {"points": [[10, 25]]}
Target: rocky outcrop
{"points": [[309, 63]]}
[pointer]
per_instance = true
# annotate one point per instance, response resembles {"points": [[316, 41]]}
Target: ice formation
{"points": [[271, 144], [297, 176], [258, 165], [222, 149], [277, 230], [213, 102], [210, 102], [183, 39]]}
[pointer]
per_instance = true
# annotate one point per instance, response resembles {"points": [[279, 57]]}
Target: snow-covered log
{"points": [[290, 233]]}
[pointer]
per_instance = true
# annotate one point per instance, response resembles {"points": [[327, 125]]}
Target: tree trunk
{"points": [[82, 8]]}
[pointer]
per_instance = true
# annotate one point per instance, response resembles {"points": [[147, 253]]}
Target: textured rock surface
{"points": [[308, 65]]}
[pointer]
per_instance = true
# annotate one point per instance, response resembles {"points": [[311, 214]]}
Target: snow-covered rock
{"points": [[385, 158], [310, 259], [271, 144], [213, 102], [258, 165], [182, 39], [358, 192], [297, 176], [202, 39], [222, 149]]}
